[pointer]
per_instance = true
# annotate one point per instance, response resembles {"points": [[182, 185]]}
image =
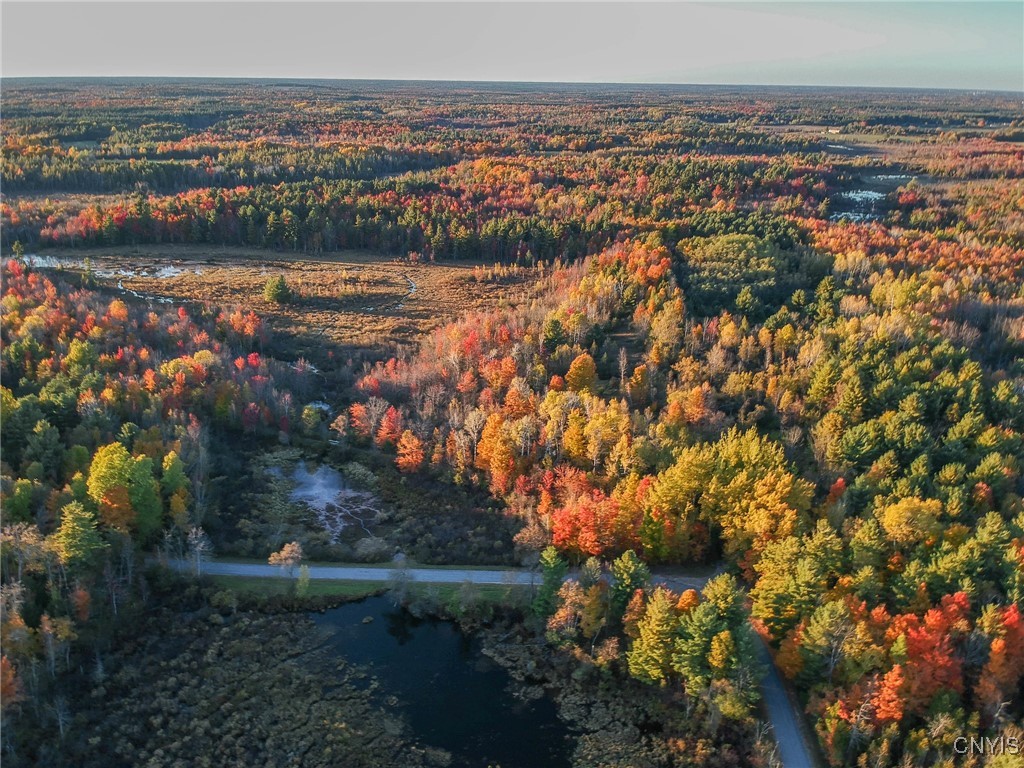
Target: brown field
{"points": [[344, 301]]}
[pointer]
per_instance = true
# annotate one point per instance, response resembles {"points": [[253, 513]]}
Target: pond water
{"points": [[103, 269], [868, 203], [452, 696], [335, 503], [110, 269], [858, 205], [318, 488]]}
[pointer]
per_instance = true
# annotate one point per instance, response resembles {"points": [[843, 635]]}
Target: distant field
{"points": [[349, 299]]}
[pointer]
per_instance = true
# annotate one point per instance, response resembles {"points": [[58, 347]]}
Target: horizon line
{"points": [[446, 81]]}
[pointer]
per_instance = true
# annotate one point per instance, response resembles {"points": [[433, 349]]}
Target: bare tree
{"points": [[99, 671], [455, 414], [376, 407], [113, 582], [25, 543], [12, 597], [173, 547], [474, 425], [198, 466], [399, 582], [49, 634], [62, 714], [526, 430], [199, 548]]}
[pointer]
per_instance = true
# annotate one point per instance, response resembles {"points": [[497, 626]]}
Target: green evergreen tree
{"points": [[629, 574], [276, 290], [553, 334], [826, 303], [44, 445], [714, 640], [76, 540], [748, 303], [650, 658], [823, 642], [553, 571], [852, 400]]}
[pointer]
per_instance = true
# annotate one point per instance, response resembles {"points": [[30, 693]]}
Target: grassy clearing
{"points": [[266, 586], [342, 300], [388, 564]]}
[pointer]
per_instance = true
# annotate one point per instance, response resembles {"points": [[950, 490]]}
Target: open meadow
{"points": [[341, 301]]}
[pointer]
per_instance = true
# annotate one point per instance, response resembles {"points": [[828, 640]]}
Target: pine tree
{"points": [[823, 646], [693, 645], [629, 574], [852, 399], [826, 300], [713, 641], [649, 659], [276, 290], [553, 571], [77, 539]]}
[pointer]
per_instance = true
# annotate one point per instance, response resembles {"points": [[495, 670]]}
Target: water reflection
{"points": [[452, 696]]}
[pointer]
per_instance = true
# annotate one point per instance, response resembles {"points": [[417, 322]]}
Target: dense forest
{"points": [[775, 335]]}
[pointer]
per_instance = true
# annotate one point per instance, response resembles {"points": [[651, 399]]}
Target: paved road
{"points": [[368, 573], [420, 574], [793, 749]]}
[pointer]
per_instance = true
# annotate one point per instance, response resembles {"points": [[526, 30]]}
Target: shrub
{"points": [[276, 290]]}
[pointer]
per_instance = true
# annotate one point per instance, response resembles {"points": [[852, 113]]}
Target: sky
{"points": [[968, 45]]}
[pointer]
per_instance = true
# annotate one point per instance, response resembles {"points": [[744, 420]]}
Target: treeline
{"points": [[169, 168], [490, 209]]}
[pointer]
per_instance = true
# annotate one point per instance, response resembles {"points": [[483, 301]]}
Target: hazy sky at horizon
{"points": [[974, 45]]}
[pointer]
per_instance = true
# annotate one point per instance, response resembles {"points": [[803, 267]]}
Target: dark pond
{"points": [[452, 696]]}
